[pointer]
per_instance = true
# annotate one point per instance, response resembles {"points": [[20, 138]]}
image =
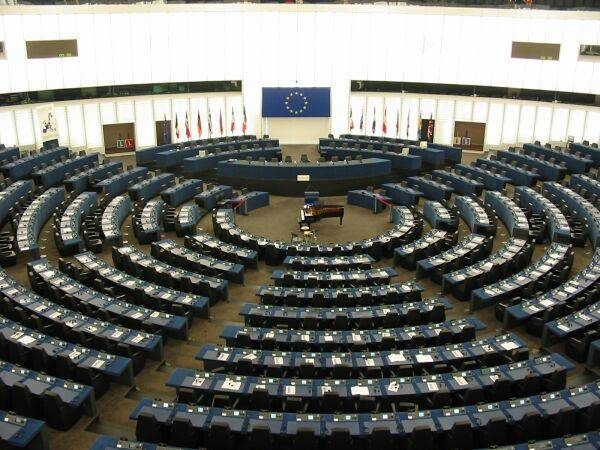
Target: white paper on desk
{"points": [[546, 303], [278, 360], [336, 361], [305, 337], [396, 357], [117, 334], [369, 362], [356, 337], [393, 387], [198, 381], [328, 338], [74, 354], [223, 356], [325, 389], [139, 338], [433, 387], [461, 381], [509, 345], [359, 390], [290, 390], [424, 358], [249, 356], [26, 340], [563, 327], [231, 385], [457, 353], [98, 363]]}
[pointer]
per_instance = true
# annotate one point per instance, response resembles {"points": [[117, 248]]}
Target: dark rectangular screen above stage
{"points": [[296, 102], [292, 179]]}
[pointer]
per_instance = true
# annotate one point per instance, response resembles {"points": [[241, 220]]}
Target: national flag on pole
{"points": [[188, 132], [177, 127], [209, 123], [232, 120], [245, 120], [384, 123], [199, 124], [430, 128], [362, 120], [165, 130], [221, 122], [374, 126], [397, 122], [351, 124]]}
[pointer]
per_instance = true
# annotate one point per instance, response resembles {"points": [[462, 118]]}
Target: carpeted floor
{"points": [[276, 221]]}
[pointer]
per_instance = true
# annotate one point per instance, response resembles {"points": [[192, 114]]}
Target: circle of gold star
{"points": [[294, 110]]}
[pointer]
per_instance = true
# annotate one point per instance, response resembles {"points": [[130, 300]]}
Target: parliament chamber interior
{"points": [[296, 226]]}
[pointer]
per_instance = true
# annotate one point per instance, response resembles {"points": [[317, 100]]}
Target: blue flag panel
{"points": [[296, 102]]}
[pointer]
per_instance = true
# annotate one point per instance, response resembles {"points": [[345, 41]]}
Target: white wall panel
{"points": [[576, 124], [526, 123], [510, 123], [493, 128], [145, 128], [108, 113], [444, 122], [125, 112], [24, 121], [560, 121], [464, 110], [93, 125], [480, 111], [76, 126], [592, 126], [103, 50], [543, 122], [8, 130]]}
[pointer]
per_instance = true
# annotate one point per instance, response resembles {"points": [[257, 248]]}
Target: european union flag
{"points": [[296, 102]]}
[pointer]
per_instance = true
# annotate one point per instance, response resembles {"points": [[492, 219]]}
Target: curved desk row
{"points": [[151, 187], [558, 226], [118, 183], [24, 166], [182, 192], [509, 213], [550, 269], [574, 163], [275, 252], [69, 239], [13, 195], [113, 217], [474, 214], [491, 181], [329, 178], [147, 156], [175, 157], [179, 303], [198, 164], [33, 219], [460, 183], [407, 164], [351, 364], [87, 179], [341, 297], [55, 174], [401, 337]]}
